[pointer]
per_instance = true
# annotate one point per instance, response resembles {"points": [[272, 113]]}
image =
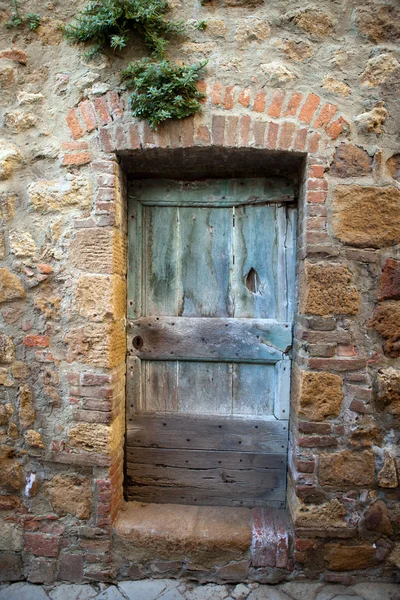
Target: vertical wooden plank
{"points": [[160, 386], [255, 269], [205, 388], [206, 259], [282, 389], [253, 389], [281, 274], [291, 237], [160, 271], [135, 258], [133, 388]]}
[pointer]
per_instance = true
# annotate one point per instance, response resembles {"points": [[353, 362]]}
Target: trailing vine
{"points": [[161, 90]]}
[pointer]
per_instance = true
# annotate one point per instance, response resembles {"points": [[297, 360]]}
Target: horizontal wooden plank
{"points": [[209, 339], [203, 459], [211, 432], [206, 496], [212, 192]]}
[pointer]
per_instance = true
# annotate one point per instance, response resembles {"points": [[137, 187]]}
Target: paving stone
{"points": [[146, 589], [302, 591], [208, 592], [70, 591], [111, 593], [23, 591], [173, 594], [266, 592], [347, 597], [240, 592], [331, 591], [376, 591]]}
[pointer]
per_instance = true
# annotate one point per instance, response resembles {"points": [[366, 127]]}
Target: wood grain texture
{"points": [[208, 432], [209, 339], [212, 192]]}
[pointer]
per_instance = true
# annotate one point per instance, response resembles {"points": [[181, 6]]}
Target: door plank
{"points": [[211, 432], [208, 339], [206, 257], [161, 278], [135, 259], [253, 389], [160, 386], [282, 389], [205, 388], [212, 192], [255, 270], [134, 388], [204, 459]]}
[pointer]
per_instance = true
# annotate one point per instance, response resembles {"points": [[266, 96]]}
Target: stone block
{"points": [[10, 570], [69, 494], [90, 437], [41, 544], [70, 568], [379, 70], [389, 282], [22, 243], [387, 476], [98, 344], [327, 290], [393, 166], [10, 158], [377, 519], [388, 390], [386, 321], [317, 23], [99, 250], [27, 413], [34, 439], [320, 395], [11, 536], [367, 216], [351, 161], [372, 120], [41, 570], [347, 468], [328, 514], [58, 195], [19, 120], [379, 23], [349, 558], [6, 412], [10, 470], [100, 296], [11, 287], [7, 352]]}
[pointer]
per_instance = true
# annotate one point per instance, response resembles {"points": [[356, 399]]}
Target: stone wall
{"points": [[319, 80]]}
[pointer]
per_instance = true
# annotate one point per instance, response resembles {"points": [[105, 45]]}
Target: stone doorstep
{"points": [[217, 531]]}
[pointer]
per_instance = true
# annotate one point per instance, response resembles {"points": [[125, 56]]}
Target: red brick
{"points": [[203, 134], [316, 197], [286, 135], [317, 184], [42, 544], [148, 135], [316, 223], [259, 133], [45, 269], [100, 105], [202, 87], [36, 341], [115, 103], [303, 545], [174, 133], [312, 427], [316, 441], [325, 115], [229, 97], [309, 107], [75, 146], [244, 130], [106, 140], [82, 158], [337, 128], [73, 124], [216, 93], [337, 364], [162, 136], [346, 350], [304, 466], [272, 136], [218, 127], [89, 379], [245, 97], [120, 139], [134, 136], [259, 102], [16, 55], [300, 139], [313, 143], [293, 105], [316, 171], [88, 115], [231, 131], [187, 132], [275, 107]]}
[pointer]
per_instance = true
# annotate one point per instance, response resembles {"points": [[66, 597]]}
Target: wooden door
{"points": [[210, 304]]}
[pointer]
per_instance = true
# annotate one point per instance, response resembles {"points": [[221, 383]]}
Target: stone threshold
{"points": [[209, 536]]}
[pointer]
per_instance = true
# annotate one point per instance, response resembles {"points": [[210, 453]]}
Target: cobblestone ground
{"points": [[169, 589]]}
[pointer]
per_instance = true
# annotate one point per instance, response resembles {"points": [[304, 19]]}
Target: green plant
{"points": [[201, 25], [110, 22], [163, 90], [31, 19]]}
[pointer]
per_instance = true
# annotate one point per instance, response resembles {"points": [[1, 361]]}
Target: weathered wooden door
{"points": [[210, 303]]}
